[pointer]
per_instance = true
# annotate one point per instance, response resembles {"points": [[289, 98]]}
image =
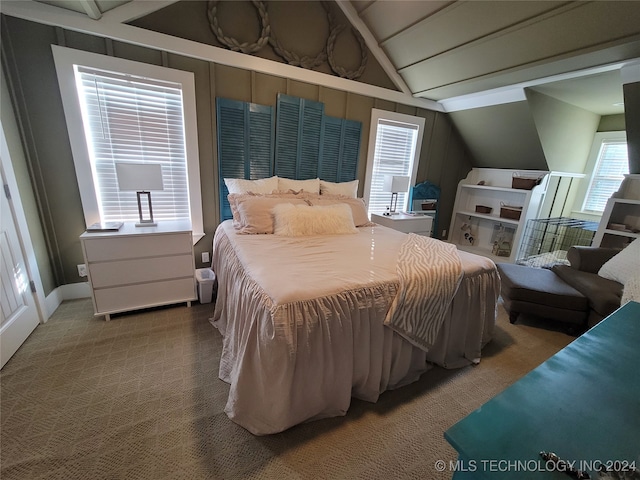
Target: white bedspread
{"points": [[303, 323]]}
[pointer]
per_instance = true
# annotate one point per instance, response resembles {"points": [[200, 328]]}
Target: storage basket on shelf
{"points": [[483, 209], [511, 212], [522, 182]]}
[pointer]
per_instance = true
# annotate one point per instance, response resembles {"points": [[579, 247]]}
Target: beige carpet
{"points": [[139, 398]]}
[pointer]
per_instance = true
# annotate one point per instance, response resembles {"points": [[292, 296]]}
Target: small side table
{"points": [[419, 224]]}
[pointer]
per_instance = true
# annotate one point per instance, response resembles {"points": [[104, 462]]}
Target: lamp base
{"points": [[149, 221]]}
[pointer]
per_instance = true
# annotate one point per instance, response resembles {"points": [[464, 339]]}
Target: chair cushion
{"points": [[604, 295], [539, 286]]}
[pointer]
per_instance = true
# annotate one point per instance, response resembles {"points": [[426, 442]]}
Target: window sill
{"points": [[582, 215], [197, 236]]}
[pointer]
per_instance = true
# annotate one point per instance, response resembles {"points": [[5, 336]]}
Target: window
{"points": [[610, 166], [123, 111], [394, 149]]}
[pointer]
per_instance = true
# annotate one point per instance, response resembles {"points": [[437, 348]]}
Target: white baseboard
{"points": [[70, 291]]}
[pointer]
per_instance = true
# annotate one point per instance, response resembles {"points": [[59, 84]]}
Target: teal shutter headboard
{"points": [[245, 144], [299, 141], [299, 132], [340, 150]]}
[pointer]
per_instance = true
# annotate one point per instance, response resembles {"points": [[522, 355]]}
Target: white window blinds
{"points": [[134, 120], [394, 155], [611, 166]]}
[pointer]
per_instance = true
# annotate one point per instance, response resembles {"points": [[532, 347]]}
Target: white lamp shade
{"points": [[396, 183], [139, 176]]}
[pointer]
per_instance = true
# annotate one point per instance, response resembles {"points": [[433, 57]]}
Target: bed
{"points": [[305, 325]]}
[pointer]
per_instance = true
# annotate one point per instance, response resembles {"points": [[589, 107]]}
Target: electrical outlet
{"points": [[205, 257], [82, 270], [444, 234]]}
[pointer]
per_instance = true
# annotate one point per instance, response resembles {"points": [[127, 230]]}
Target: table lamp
{"points": [[140, 178], [395, 184]]}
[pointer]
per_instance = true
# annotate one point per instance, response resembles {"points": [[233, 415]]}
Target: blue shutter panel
{"points": [[350, 150], [299, 129], [341, 150], [261, 131], [331, 148], [231, 147], [311, 139], [245, 144]]}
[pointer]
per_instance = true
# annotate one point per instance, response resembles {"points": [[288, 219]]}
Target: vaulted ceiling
{"points": [[444, 50], [471, 53]]}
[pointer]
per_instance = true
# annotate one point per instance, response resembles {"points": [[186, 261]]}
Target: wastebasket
{"points": [[205, 278]]}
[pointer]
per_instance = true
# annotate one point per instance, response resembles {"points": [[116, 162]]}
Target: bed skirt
{"points": [[288, 364]]}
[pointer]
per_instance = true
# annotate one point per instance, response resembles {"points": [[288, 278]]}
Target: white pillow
{"points": [[310, 186], [300, 220], [624, 265], [240, 185], [348, 189]]}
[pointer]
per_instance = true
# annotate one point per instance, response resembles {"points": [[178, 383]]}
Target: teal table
{"points": [[582, 404]]}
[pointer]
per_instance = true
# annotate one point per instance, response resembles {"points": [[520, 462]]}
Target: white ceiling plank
{"points": [[48, 15], [389, 19], [440, 33], [91, 9], [372, 43]]}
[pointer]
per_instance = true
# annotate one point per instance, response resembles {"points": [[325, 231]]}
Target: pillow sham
{"points": [[312, 185], [357, 205], [348, 189], [302, 220], [240, 185], [624, 265], [252, 214]]}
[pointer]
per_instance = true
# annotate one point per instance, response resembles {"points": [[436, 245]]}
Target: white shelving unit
{"points": [[622, 210], [495, 193]]}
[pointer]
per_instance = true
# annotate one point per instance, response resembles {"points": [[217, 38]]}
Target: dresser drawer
{"points": [[123, 272], [118, 248], [133, 297]]}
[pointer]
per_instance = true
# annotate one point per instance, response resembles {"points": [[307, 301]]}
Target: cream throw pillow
{"points": [[301, 220], [348, 189], [624, 265]]}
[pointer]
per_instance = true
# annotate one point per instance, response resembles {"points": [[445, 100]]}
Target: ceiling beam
{"points": [[135, 9], [352, 15], [91, 9]]}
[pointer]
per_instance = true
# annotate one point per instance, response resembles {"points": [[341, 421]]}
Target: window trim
{"points": [[376, 115], [598, 139], [65, 59]]}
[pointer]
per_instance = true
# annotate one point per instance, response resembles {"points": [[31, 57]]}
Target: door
{"points": [[19, 314]]}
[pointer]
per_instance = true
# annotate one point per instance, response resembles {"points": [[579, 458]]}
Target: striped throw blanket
{"points": [[430, 272]]}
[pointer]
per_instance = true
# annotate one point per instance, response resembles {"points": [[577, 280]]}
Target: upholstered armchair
{"points": [[603, 295]]}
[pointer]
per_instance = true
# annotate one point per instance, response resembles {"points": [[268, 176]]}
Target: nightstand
{"points": [[140, 267], [419, 224]]}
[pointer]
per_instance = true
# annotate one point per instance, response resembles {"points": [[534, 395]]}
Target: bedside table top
{"points": [[129, 228], [396, 216]]}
